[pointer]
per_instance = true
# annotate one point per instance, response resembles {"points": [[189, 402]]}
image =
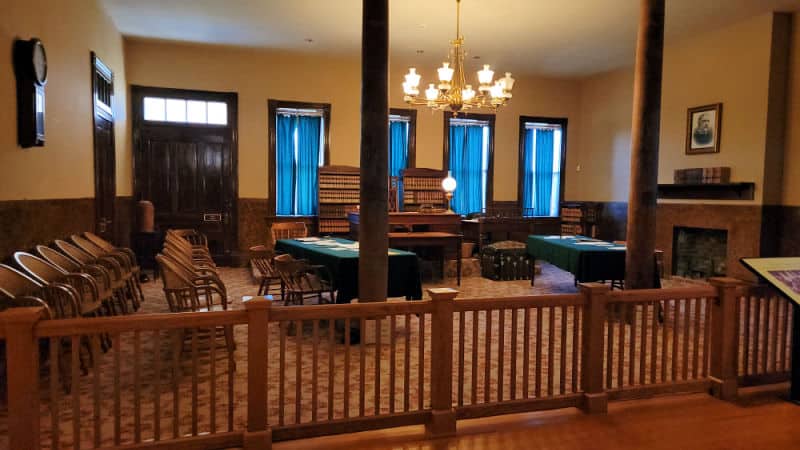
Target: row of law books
{"points": [[336, 210], [703, 175], [333, 226], [410, 183], [423, 196], [348, 196], [339, 181]]}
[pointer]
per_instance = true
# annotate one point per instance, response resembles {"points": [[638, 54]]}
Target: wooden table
{"points": [[588, 259], [430, 239]]}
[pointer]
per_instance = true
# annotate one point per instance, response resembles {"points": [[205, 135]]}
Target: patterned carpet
{"points": [[155, 374]]}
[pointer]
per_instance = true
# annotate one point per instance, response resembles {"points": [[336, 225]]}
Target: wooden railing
{"points": [[764, 320], [170, 381]]}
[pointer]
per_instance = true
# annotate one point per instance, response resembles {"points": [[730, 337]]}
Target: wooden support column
{"points": [[374, 213], [641, 233]]}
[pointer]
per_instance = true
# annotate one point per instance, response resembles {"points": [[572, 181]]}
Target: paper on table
{"points": [[558, 237], [308, 239]]}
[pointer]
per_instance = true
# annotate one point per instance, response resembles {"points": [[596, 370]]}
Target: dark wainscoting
{"points": [[27, 223], [124, 221], [252, 225]]}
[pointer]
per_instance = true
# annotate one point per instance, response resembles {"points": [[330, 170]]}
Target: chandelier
{"points": [[452, 93]]}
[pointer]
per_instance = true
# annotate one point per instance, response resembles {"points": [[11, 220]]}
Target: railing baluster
{"points": [[314, 368], [474, 362], [347, 368], [55, 398], [298, 371], [707, 339], [362, 354], [656, 307], [668, 304], [157, 387], [487, 357], [501, 328], [686, 329], [773, 330], [622, 319], [461, 351], [757, 338], [675, 336], [787, 309], [137, 387], [177, 345], [95, 349], [747, 322], [539, 345], [643, 345], [526, 352], [696, 360], [377, 386], [421, 363], [576, 342], [610, 348], [513, 374], [212, 382], [282, 376], [195, 368], [75, 349], [331, 366], [632, 347], [562, 370], [392, 362], [407, 365], [551, 341]]}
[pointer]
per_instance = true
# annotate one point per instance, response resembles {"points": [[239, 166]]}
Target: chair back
{"points": [[15, 283], [192, 236], [99, 242], [39, 269], [291, 271], [178, 289], [78, 255], [288, 230], [87, 246], [58, 259], [8, 301], [260, 258]]}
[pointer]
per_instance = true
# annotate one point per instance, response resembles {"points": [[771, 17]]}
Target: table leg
{"points": [[533, 268]]}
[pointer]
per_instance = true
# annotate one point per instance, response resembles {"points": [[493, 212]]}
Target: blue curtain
{"points": [[544, 173], [466, 166], [284, 165], [398, 147], [527, 174], [308, 129]]}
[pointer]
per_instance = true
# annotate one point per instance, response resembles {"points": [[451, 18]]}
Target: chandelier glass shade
{"points": [[452, 92]]}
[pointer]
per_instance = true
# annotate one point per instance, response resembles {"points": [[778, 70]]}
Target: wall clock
{"points": [[30, 69]]}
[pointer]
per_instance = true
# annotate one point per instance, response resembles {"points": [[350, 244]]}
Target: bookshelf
{"points": [[580, 218], [339, 193], [423, 187]]}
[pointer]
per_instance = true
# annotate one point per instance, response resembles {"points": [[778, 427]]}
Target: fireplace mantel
{"points": [[723, 191]]}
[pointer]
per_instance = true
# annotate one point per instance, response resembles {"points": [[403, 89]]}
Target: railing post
{"points": [[443, 416], [22, 367], [595, 399], [724, 337], [258, 435]]}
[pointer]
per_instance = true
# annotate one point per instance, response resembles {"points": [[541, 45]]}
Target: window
{"points": [[468, 155], [541, 167], [298, 147], [179, 110], [402, 140]]}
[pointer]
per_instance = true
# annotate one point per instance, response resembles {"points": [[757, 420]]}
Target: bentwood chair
{"points": [[261, 258], [199, 264], [89, 301], [119, 279], [198, 253], [288, 230], [185, 294], [131, 279], [304, 280], [8, 301], [62, 299], [111, 248]]}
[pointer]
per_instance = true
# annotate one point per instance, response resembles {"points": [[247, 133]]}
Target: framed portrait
{"points": [[782, 273], [703, 129]]}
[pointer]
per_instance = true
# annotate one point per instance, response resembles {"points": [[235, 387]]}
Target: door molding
{"points": [[138, 93], [104, 111]]}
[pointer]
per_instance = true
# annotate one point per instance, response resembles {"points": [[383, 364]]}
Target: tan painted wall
{"points": [[730, 65], [64, 167], [259, 75], [791, 174]]}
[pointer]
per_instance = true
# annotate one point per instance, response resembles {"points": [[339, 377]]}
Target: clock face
{"points": [[39, 62]]}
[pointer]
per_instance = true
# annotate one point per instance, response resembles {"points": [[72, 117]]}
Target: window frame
{"points": [[411, 114], [490, 118], [560, 121], [272, 110]]}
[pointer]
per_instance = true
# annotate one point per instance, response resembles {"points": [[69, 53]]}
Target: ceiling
{"points": [[555, 38]]}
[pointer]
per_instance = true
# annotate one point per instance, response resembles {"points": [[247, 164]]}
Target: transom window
{"points": [[178, 110]]}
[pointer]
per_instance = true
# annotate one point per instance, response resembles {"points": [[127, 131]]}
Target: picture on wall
{"points": [[782, 273], [703, 129]]}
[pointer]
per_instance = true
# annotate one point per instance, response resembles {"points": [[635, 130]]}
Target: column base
{"points": [[727, 389], [442, 423], [258, 440], [595, 403]]}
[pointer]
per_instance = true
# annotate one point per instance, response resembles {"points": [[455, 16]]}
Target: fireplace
{"points": [[699, 252]]}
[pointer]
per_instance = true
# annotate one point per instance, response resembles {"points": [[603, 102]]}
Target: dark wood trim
{"points": [[138, 93], [446, 146], [412, 132], [562, 122], [272, 108], [98, 67]]}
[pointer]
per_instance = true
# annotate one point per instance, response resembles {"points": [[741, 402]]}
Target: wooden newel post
{"points": [[22, 367], [443, 416], [594, 316], [724, 337], [258, 435]]}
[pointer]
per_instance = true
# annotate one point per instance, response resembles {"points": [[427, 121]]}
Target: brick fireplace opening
{"points": [[699, 252]]}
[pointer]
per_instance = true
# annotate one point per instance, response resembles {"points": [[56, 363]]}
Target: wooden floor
{"points": [[760, 420]]}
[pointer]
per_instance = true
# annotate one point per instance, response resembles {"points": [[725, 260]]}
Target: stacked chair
{"points": [[262, 260], [192, 284], [303, 280], [126, 262]]}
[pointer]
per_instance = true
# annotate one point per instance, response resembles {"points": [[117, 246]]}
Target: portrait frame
{"points": [[699, 118]]}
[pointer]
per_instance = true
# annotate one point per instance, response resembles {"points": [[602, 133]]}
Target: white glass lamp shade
{"points": [[408, 90], [445, 73], [449, 183], [431, 93], [468, 93], [412, 78], [485, 76], [496, 90], [508, 82]]}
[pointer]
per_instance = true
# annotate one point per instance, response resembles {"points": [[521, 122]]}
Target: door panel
{"points": [[105, 181], [188, 172]]}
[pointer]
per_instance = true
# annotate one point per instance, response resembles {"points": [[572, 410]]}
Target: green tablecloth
{"points": [[404, 275], [581, 256]]}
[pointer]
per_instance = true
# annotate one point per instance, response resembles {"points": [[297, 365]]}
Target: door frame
{"points": [[98, 66], [138, 93]]}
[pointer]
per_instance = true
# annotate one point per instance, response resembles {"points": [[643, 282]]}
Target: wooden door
{"points": [[188, 170], [105, 184]]}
